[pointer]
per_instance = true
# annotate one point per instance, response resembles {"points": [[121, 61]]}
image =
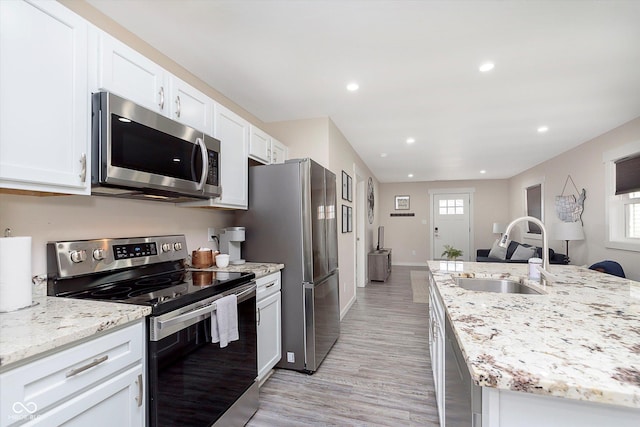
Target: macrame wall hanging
{"points": [[569, 207]]}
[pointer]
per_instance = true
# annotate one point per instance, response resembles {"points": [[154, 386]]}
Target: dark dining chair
{"points": [[609, 267]]}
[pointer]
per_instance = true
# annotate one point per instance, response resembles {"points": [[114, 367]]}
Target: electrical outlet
{"points": [[413, 252], [210, 233], [291, 357]]}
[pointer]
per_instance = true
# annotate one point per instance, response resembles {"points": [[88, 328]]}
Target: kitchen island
{"points": [[579, 341]]}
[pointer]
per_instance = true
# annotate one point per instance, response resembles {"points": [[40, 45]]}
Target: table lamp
{"points": [[569, 231]]}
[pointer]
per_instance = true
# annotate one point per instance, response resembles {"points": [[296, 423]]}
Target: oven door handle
{"points": [[202, 311]]}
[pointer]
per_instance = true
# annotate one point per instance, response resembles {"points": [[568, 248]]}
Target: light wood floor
{"points": [[377, 374]]}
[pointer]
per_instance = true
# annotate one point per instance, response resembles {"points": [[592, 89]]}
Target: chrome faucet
{"points": [[545, 241]]}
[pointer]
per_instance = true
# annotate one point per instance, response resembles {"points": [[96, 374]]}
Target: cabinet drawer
{"points": [[267, 285], [47, 381]]}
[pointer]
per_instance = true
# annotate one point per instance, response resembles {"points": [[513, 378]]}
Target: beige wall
{"points": [[304, 138], [83, 217], [585, 165], [410, 237]]}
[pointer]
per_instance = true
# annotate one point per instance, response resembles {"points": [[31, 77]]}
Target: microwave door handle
{"points": [[205, 163]]}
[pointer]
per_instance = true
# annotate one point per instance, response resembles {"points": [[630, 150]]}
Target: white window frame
{"points": [[525, 187], [615, 206]]}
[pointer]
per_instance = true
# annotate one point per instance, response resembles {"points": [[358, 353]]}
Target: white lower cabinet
{"points": [[100, 382], [268, 317], [43, 71], [436, 345]]}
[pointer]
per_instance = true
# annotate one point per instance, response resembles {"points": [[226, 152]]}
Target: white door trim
{"points": [[432, 193], [359, 257]]}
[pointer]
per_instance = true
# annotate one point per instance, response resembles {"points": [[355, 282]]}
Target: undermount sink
{"points": [[502, 286]]}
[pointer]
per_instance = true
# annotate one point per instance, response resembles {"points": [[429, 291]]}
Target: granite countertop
{"points": [[260, 269], [55, 322], [581, 340]]}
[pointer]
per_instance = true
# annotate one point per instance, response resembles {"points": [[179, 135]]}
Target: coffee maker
{"points": [[230, 239]]}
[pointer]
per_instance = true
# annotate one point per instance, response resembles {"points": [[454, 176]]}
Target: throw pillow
{"points": [[523, 253], [497, 251]]}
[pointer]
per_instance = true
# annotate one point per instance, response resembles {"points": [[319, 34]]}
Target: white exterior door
{"points": [[451, 223]]}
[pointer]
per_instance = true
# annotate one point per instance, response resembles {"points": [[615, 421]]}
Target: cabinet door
{"points": [[233, 133], [190, 106], [119, 401], [45, 102], [259, 146], [127, 73], [279, 151], [269, 333]]}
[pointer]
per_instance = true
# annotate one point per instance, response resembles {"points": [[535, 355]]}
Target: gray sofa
{"points": [[482, 255]]}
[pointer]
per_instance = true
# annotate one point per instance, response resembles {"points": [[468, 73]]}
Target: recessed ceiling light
{"points": [[410, 140], [353, 86], [383, 155], [410, 175], [487, 66], [124, 120], [543, 129], [483, 171]]}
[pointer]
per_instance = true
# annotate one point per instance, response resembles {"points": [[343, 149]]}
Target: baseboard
{"points": [[346, 309]]}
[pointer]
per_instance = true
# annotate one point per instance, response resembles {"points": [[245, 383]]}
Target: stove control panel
{"points": [[135, 250], [66, 259]]}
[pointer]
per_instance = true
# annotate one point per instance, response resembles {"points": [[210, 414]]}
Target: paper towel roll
{"points": [[15, 273]]}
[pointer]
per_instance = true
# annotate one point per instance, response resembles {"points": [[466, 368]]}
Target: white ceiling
{"points": [[573, 66]]}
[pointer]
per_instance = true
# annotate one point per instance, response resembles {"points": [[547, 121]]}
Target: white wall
{"points": [[91, 217], [584, 164]]}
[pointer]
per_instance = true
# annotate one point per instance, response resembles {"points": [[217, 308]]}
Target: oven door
{"points": [[194, 382], [139, 148]]}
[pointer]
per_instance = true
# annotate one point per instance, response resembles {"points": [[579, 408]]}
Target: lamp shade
{"points": [[569, 231], [498, 227]]}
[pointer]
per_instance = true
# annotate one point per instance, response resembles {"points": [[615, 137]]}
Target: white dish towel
{"points": [[224, 321]]}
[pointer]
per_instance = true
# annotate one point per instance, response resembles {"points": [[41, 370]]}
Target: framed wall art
{"points": [[345, 218], [402, 203], [346, 183]]}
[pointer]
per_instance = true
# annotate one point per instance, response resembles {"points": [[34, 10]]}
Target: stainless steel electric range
{"points": [[190, 380]]}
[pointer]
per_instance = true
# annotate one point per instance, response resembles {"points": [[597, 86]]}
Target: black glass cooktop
{"points": [[163, 292]]}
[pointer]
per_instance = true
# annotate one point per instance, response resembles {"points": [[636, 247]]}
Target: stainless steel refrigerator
{"points": [[292, 220]]}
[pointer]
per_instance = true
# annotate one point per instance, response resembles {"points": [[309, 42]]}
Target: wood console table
{"points": [[379, 265]]}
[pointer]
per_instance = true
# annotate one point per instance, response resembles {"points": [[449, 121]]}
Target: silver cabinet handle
{"points": [[83, 170], [258, 317], [270, 284], [161, 93], [95, 362], [140, 390], [178, 106]]}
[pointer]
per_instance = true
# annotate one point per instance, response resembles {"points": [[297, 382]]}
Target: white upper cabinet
{"points": [[279, 151], [233, 133], [259, 145], [45, 103], [131, 75], [190, 106]]}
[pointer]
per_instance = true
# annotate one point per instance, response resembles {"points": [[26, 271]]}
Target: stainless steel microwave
{"points": [[138, 153]]}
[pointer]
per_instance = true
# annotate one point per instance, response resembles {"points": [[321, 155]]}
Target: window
{"points": [[623, 197], [633, 216], [451, 207]]}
